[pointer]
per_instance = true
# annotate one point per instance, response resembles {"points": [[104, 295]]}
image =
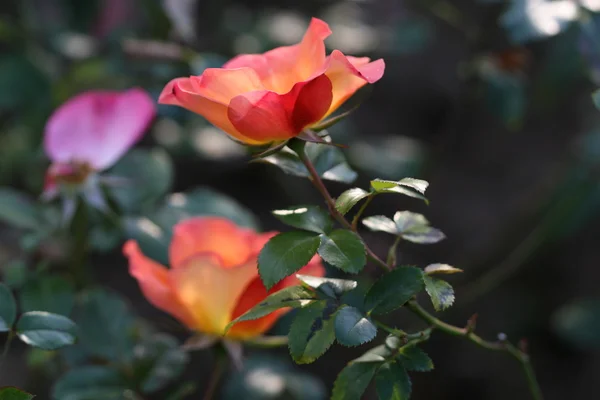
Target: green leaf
{"points": [[331, 287], [18, 210], [415, 228], [380, 223], [148, 176], [394, 289], [310, 218], [90, 383], [349, 198], [293, 296], [353, 381], [159, 360], [45, 330], [352, 328], [105, 325], [343, 249], [414, 359], [440, 292], [408, 186], [578, 323], [152, 238], [22, 84], [522, 19], [12, 393], [441, 269], [48, 293], [392, 382], [8, 308], [285, 254], [312, 331]]}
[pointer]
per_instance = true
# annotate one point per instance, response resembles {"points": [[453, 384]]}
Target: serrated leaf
{"points": [[312, 331], [353, 380], [415, 228], [8, 308], [331, 287], [393, 383], [380, 223], [18, 210], [12, 393], [349, 198], [394, 289], [343, 249], [90, 383], [414, 359], [45, 330], [408, 186], [353, 328], [293, 296], [441, 269], [440, 292], [48, 293], [310, 218], [285, 254]]}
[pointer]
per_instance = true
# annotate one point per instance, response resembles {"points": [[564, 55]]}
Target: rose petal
{"points": [[348, 74], [154, 282], [210, 291], [281, 68], [209, 95], [256, 292], [266, 116], [210, 235], [98, 127]]}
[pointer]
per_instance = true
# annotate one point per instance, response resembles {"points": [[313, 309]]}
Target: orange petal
{"points": [[154, 282], [210, 94], [210, 291], [266, 116], [256, 292], [210, 235], [281, 68], [348, 74]]}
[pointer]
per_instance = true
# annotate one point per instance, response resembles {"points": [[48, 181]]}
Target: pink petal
{"points": [[98, 127]]}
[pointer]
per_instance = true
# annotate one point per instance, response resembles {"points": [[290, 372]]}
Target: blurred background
{"points": [[489, 101]]}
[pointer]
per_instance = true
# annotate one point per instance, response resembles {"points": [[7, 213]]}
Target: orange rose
{"points": [[261, 98], [213, 277]]}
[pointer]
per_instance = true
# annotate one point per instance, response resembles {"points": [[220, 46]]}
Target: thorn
{"points": [[471, 323]]}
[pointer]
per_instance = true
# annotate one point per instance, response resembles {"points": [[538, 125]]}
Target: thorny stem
{"points": [[413, 305]]}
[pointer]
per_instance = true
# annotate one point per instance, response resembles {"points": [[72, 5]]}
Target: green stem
{"points": [[268, 342], [80, 236], [217, 373], [468, 334], [361, 210], [9, 339], [391, 258]]}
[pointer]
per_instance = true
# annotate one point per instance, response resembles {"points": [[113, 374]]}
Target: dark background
{"points": [[505, 132]]}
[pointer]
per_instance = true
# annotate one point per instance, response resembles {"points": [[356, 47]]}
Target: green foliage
{"points": [[578, 323], [285, 254], [354, 379], [312, 331], [392, 382], [105, 325], [49, 293], [414, 359], [353, 328], [596, 98], [394, 289], [22, 84], [18, 210], [329, 161], [522, 19], [158, 361], [310, 218], [407, 186], [408, 225], [147, 176], [8, 308], [330, 287], [293, 296], [45, 330], [440, 292], [12, 393], [90, 383], [343, 249], [269, 378], [349, 199], [441, 269]]}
